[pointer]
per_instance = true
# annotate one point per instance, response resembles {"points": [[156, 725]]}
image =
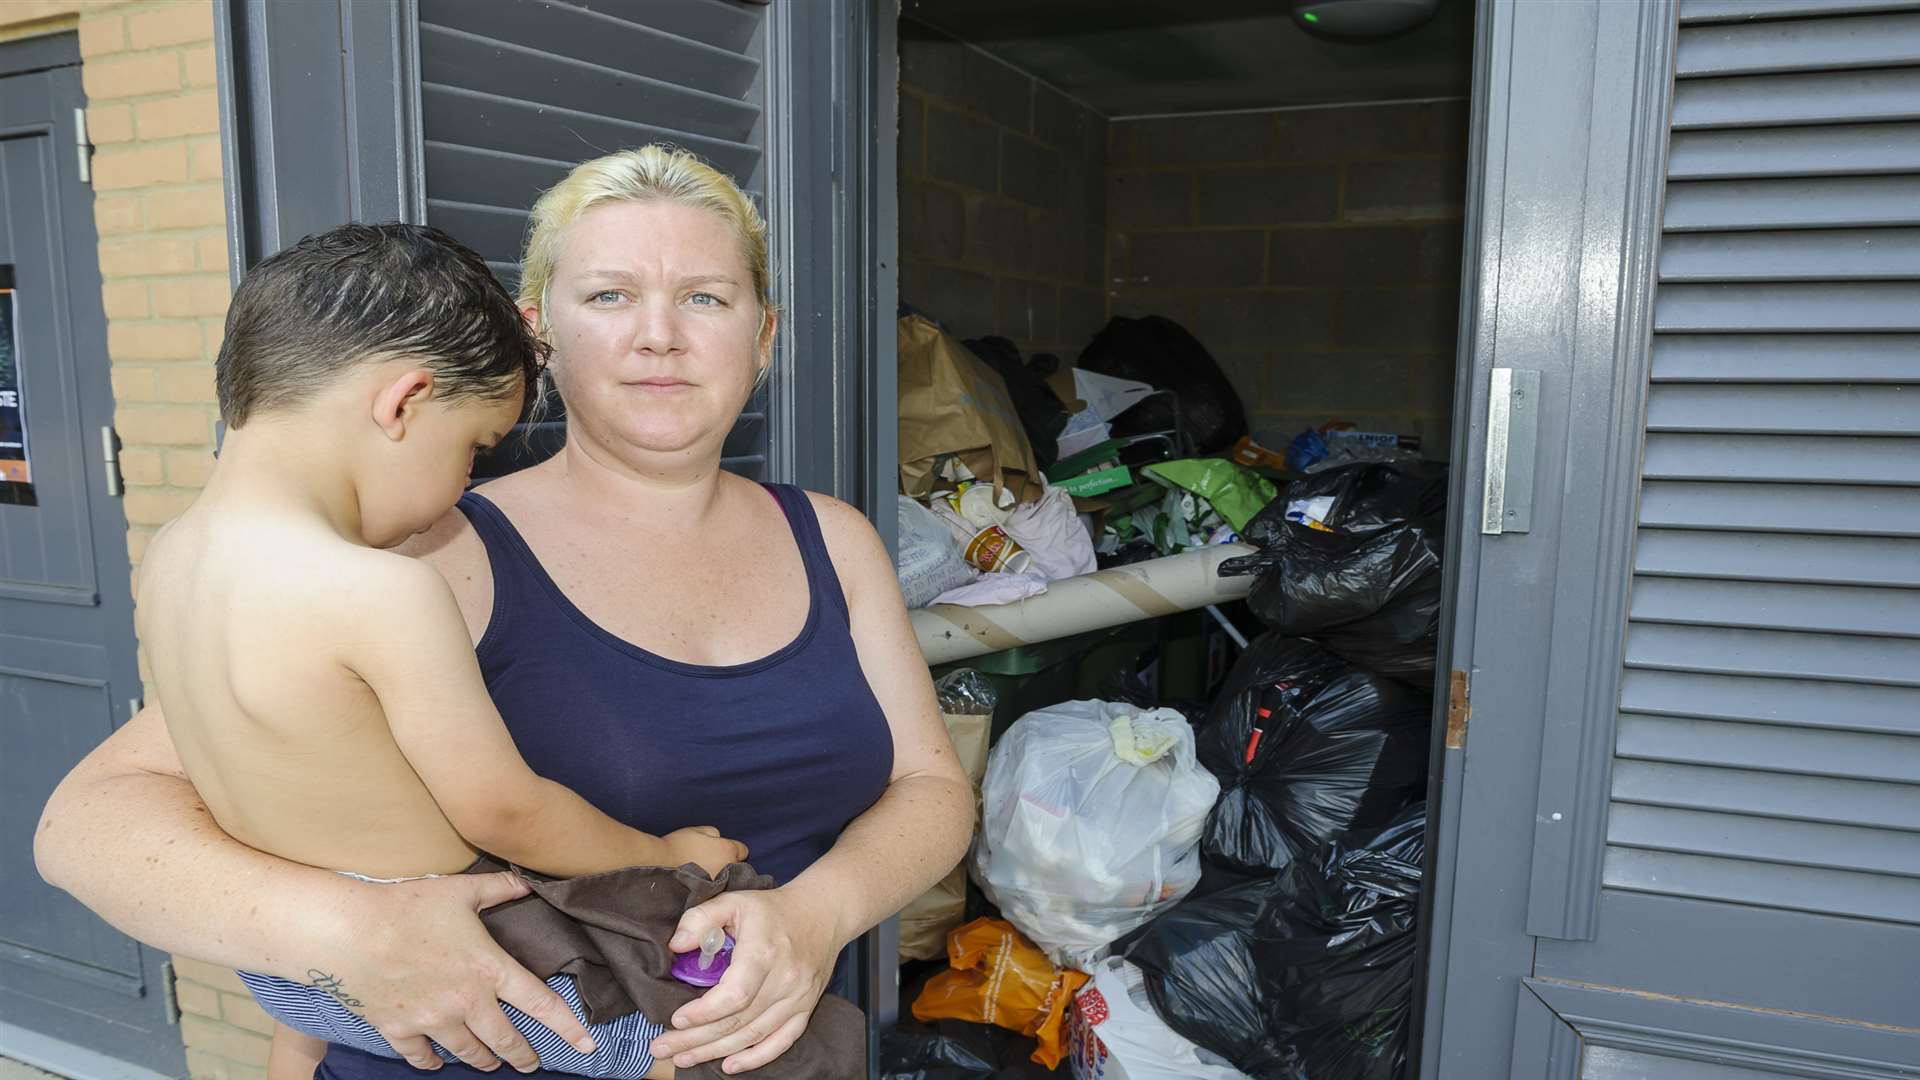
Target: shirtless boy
{"points": [[322, 691]]}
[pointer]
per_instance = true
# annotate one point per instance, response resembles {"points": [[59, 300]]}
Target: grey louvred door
{"points": [[1711, 655], [514, 93]]}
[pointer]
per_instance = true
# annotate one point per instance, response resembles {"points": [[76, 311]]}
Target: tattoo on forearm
{"points": [[331, 985]]}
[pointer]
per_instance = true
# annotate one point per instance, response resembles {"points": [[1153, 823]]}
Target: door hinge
{"points": [[83, 145], [134, 705], [169, 993], [1459, 710], [110, 458]]}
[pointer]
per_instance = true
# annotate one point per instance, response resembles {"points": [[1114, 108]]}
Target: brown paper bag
{"points": [[925, 923], [952, 403]]}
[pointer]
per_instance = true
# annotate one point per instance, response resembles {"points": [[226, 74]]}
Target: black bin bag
{"points": [[1306, 746], [1161, 353], [956, 1050], [1307, 975], [1369, 590]]}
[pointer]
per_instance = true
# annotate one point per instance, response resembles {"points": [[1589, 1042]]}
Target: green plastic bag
{"points": [[1236, 492]]}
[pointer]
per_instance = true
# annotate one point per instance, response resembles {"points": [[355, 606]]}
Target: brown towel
{"points": [[610, 931]]}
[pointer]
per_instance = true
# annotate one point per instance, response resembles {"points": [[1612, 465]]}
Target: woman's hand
{"points": [[425, 968], [783, 955]]}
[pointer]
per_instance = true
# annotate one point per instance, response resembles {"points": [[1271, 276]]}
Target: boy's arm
{"points": [[418, 660]]}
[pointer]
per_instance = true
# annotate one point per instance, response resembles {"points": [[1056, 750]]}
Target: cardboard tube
{"points": [[1075, 605]]}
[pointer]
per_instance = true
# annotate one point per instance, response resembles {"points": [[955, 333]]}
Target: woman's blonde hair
{"points": [[655, 171]]}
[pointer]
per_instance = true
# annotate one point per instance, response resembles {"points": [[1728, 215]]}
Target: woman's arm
{"points": [[127, 835], [909, 839]]}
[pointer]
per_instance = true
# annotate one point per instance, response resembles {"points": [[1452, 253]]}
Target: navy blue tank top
{"points": [[779, 753]]}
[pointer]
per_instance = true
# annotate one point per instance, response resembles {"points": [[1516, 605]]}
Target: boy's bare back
{"points": [[266, 635]]}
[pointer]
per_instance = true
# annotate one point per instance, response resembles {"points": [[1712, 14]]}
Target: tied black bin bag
{"points": [[1306, 746], [1307, 975], [1369, 590], [1161, 353]]}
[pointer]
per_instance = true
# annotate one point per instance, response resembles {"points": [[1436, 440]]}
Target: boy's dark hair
{"points": [[339, 297]]}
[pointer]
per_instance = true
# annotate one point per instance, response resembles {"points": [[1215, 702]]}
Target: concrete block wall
{"points": [[1002, 185], [1315, 252], [159, 208]]}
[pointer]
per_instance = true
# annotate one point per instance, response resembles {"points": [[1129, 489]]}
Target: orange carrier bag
{"points": [[999, 977]]}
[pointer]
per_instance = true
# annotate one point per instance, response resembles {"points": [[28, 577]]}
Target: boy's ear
{"points": [[531, 314], [399, 401]]}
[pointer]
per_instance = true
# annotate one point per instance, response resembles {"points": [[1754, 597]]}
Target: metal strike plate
{"points": [[1513, 438]]}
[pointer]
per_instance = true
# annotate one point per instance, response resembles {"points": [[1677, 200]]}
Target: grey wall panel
{"points": [[1824, 409], [1800, 255], [1813, 459], [1805, 557], [603, 38], [1788, 204], [1770, 840], [1836, 150], [725, 23], [1795, 358], [1826, 97], [1694, 12], [1796, 888], [1868, 511], [1812, 751], [1773, 605], [1775, 654], [463, 117], [1858, 42], [1839, 707], [1810, 306]]}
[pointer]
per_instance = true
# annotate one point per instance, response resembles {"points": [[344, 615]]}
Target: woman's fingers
{"points": [[520, 989], [463, 1044], [416, 1050], [770, 1047], [769, 1016], [493, 1028]]}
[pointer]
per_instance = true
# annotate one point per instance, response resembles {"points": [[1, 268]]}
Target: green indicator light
{"points": [[1309, 16]]}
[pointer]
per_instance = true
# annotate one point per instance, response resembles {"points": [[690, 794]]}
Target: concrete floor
{"points": [[14, 1070]]}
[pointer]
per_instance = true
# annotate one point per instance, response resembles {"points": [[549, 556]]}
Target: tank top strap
{"points": [[503, 544], [821, 577]]}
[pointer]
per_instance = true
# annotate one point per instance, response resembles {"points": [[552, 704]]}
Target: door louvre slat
{"points": [[1825, 150], [1782, 557], [1787, 702], [1783, 358], [1789, 843], [1826, 97], [1769, 748]]}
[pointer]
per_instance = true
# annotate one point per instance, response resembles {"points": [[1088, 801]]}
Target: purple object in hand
{"points": [[686, 966]]}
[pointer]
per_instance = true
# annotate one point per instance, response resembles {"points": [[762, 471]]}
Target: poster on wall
{"points": [[16, 469]]}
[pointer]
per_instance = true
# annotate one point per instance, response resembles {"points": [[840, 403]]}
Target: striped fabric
{"points": [[620, 1047]]}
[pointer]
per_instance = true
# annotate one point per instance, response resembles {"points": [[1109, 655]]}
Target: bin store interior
{"points": [[1293, 202]]}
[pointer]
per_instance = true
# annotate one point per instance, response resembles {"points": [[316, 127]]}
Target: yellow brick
{"points": [[102, 34], [246, 1072], [174, 24], [186, 208], [242, 1012], [186, 297], [133, 257], [186, 967], [145, 465], [138, 537], [155, 506], [177, 425], [199, 66], [131, 383], [224, 1041], [152, 341], [131, 76], [215, 331], [206, 163], [192, 114], [193, 998], [109, 124], [115, 214], [204, 1066], [125, 299], [188, 383], [138, 166], [190, 469], [210, 252]]}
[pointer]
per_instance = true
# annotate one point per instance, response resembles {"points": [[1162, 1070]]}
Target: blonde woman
{"points": [[673, 642]]}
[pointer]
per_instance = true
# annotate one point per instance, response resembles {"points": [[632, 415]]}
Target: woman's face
{"points": [[656, 330]]}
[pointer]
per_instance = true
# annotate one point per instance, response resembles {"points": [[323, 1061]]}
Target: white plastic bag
{"points": [[1049, 529], [1114, 1034], [929, 562], [1092, 823]]}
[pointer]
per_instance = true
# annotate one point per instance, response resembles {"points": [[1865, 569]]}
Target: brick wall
{"points": [[152, 111], [148, 71], [1002, 229], [1315, 252]]}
